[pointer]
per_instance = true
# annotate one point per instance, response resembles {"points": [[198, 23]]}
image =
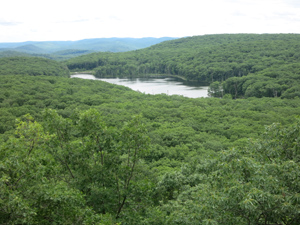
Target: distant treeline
{"points": [[33, 66], [270, 62]]}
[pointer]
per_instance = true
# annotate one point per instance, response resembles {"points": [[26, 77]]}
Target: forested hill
{"points": [[33, 66], [264, 64], [78, 151]]}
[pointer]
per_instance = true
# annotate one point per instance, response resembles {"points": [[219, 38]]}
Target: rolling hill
{"points": [[78, 151], [242, 65], [88, 45]]}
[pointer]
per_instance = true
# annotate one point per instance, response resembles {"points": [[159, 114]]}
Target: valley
{"points": [[80, 151]]}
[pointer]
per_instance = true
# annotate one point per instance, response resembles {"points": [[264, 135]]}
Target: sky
{"points": [[61, 20]]}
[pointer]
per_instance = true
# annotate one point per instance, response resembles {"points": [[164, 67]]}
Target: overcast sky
{"points": [[49, 20]]}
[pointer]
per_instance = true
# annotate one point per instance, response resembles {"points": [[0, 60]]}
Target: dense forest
{"points": [[242, 65], [33, 66], [76, 151]]}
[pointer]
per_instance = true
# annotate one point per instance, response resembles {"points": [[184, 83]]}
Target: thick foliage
{"points": [[71, 171], [85, 160], [254, 185], [33, 66]]}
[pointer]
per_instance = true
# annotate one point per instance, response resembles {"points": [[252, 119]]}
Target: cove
{"points": [[168, 86]]}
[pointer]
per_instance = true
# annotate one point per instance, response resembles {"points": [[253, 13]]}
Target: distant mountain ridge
{"points": [[30, 48], [91, 45]]}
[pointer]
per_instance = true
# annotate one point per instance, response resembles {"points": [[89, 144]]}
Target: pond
{"points": [[168, 86]]}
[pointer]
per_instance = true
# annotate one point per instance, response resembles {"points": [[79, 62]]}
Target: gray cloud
{"points": [[73, 21], [79, 21], [8, 23], [293, 3], [287, 16], [238, 13]]}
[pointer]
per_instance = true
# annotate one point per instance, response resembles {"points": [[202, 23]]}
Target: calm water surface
{"points": [[169, 86]]}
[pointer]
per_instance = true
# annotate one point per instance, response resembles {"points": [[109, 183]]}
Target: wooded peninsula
{"points": [[75, 151]]}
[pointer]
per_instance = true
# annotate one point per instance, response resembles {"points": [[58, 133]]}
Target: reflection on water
{"points": [[169, 86]]}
